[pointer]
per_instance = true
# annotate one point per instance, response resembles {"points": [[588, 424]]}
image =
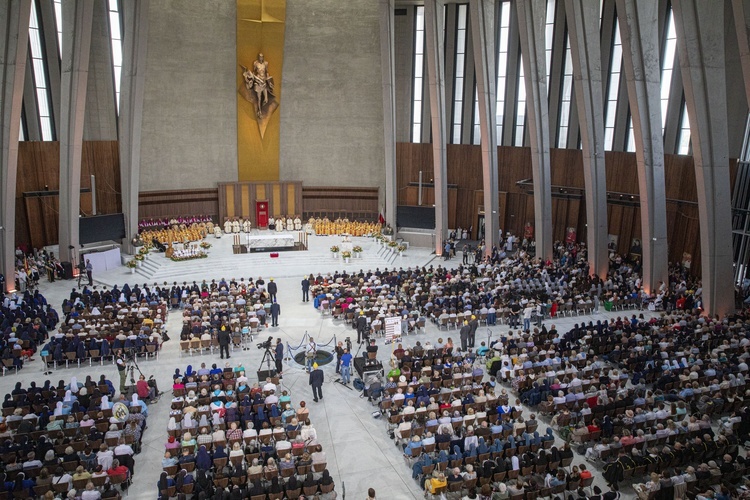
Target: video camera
{"points": [[266, 344]]}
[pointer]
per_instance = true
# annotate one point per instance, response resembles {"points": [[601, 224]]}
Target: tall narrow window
{"points": [[476, 137], [21, 132], [630, 148], [520, 108], [458, 89], [614, 88], [502, 68], [115, 30], [39, 66], [549, 33], [58, 23], [683, 145], [416, 113], [670, 47], [565, 97]]}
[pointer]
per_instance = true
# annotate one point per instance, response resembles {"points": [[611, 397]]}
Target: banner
{"points": [[392, 329], [260, 55]]}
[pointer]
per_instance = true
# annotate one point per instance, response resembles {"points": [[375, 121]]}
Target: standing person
{"points": [[316, 381], [473, 325], [447, 250], [224, 339], [305, 289], [123, 372], [464, 334], [272, 289], [339, 352], [310, 351], [275, 311], [361, 327], [346, 366], [279, 356], [89, 272], [465, 252]]}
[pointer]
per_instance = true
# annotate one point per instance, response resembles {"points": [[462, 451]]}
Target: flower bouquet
{"points": [[346, 254], [357, 250], [393, 245], [334, 251], [205, 245], [401, 248]]}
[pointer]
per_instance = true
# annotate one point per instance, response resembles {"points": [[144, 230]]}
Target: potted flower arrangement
{"points": [[205, 245], [357, 250], [392, 245], [138, 258], [346, 255], [401, 249], [334, 251], [132, 264]]}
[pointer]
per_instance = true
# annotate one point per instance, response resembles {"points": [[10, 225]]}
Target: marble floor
{"points": [[360, 454]]}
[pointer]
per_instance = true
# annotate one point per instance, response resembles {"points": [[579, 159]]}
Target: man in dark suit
{"points": [[473, 325], [275, 312], [305, 290], [316, 381], [279, 356], [361, 327], [272, 289], [224, 339]]}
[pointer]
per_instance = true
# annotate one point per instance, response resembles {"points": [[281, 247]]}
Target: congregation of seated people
{"points": [[100, 324], [231, 439], [25, 320], [239, 307], [65, 440], [640, 395]]}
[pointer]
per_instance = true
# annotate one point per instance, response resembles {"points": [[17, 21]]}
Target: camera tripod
{"points": [[268, 357]]}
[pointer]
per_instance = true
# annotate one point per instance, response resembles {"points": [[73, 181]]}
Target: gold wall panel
{"points": [[290, 201], [260, 29], [245, 190], [230, 199], [277, 200]]}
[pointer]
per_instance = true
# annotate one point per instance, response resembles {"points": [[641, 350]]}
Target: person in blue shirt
{"points": [[346, 362]]}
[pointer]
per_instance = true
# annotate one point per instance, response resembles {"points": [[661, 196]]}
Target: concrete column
{"points": [[741, 10], [583, 27], [531, 27], [700, 46], [14, 37], [387, 58], [482, 15], [639, 32], [132, 86], [435, 54], [77, 20]]}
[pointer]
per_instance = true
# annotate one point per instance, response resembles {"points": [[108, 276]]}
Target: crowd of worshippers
{"points": [[460, 433], [228, 438], [235, 308], [99, 324], [638, 392], [58, 439], [25, 319], [517, 290]]}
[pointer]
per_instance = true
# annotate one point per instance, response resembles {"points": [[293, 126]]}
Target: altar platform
{"points": [[266, 242]]}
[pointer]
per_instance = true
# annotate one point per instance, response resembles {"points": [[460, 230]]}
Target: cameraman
{"points": [[122, 369]]}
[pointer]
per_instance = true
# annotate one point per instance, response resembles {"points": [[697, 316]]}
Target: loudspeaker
{"points": [[264, 374], [67, 270]]}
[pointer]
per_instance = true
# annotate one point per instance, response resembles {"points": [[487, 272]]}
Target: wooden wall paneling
{"points": [[169, 204], [350, 202], [39, 167]]}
